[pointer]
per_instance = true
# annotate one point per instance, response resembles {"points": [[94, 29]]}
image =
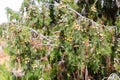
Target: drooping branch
{"points": [[34, 31], [80, 15], [44, 37]]}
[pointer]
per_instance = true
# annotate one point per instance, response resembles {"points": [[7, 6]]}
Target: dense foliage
{"points": [[63, 40]]}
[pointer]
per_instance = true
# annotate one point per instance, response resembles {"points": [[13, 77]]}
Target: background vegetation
{"points": [[62, 40]]}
